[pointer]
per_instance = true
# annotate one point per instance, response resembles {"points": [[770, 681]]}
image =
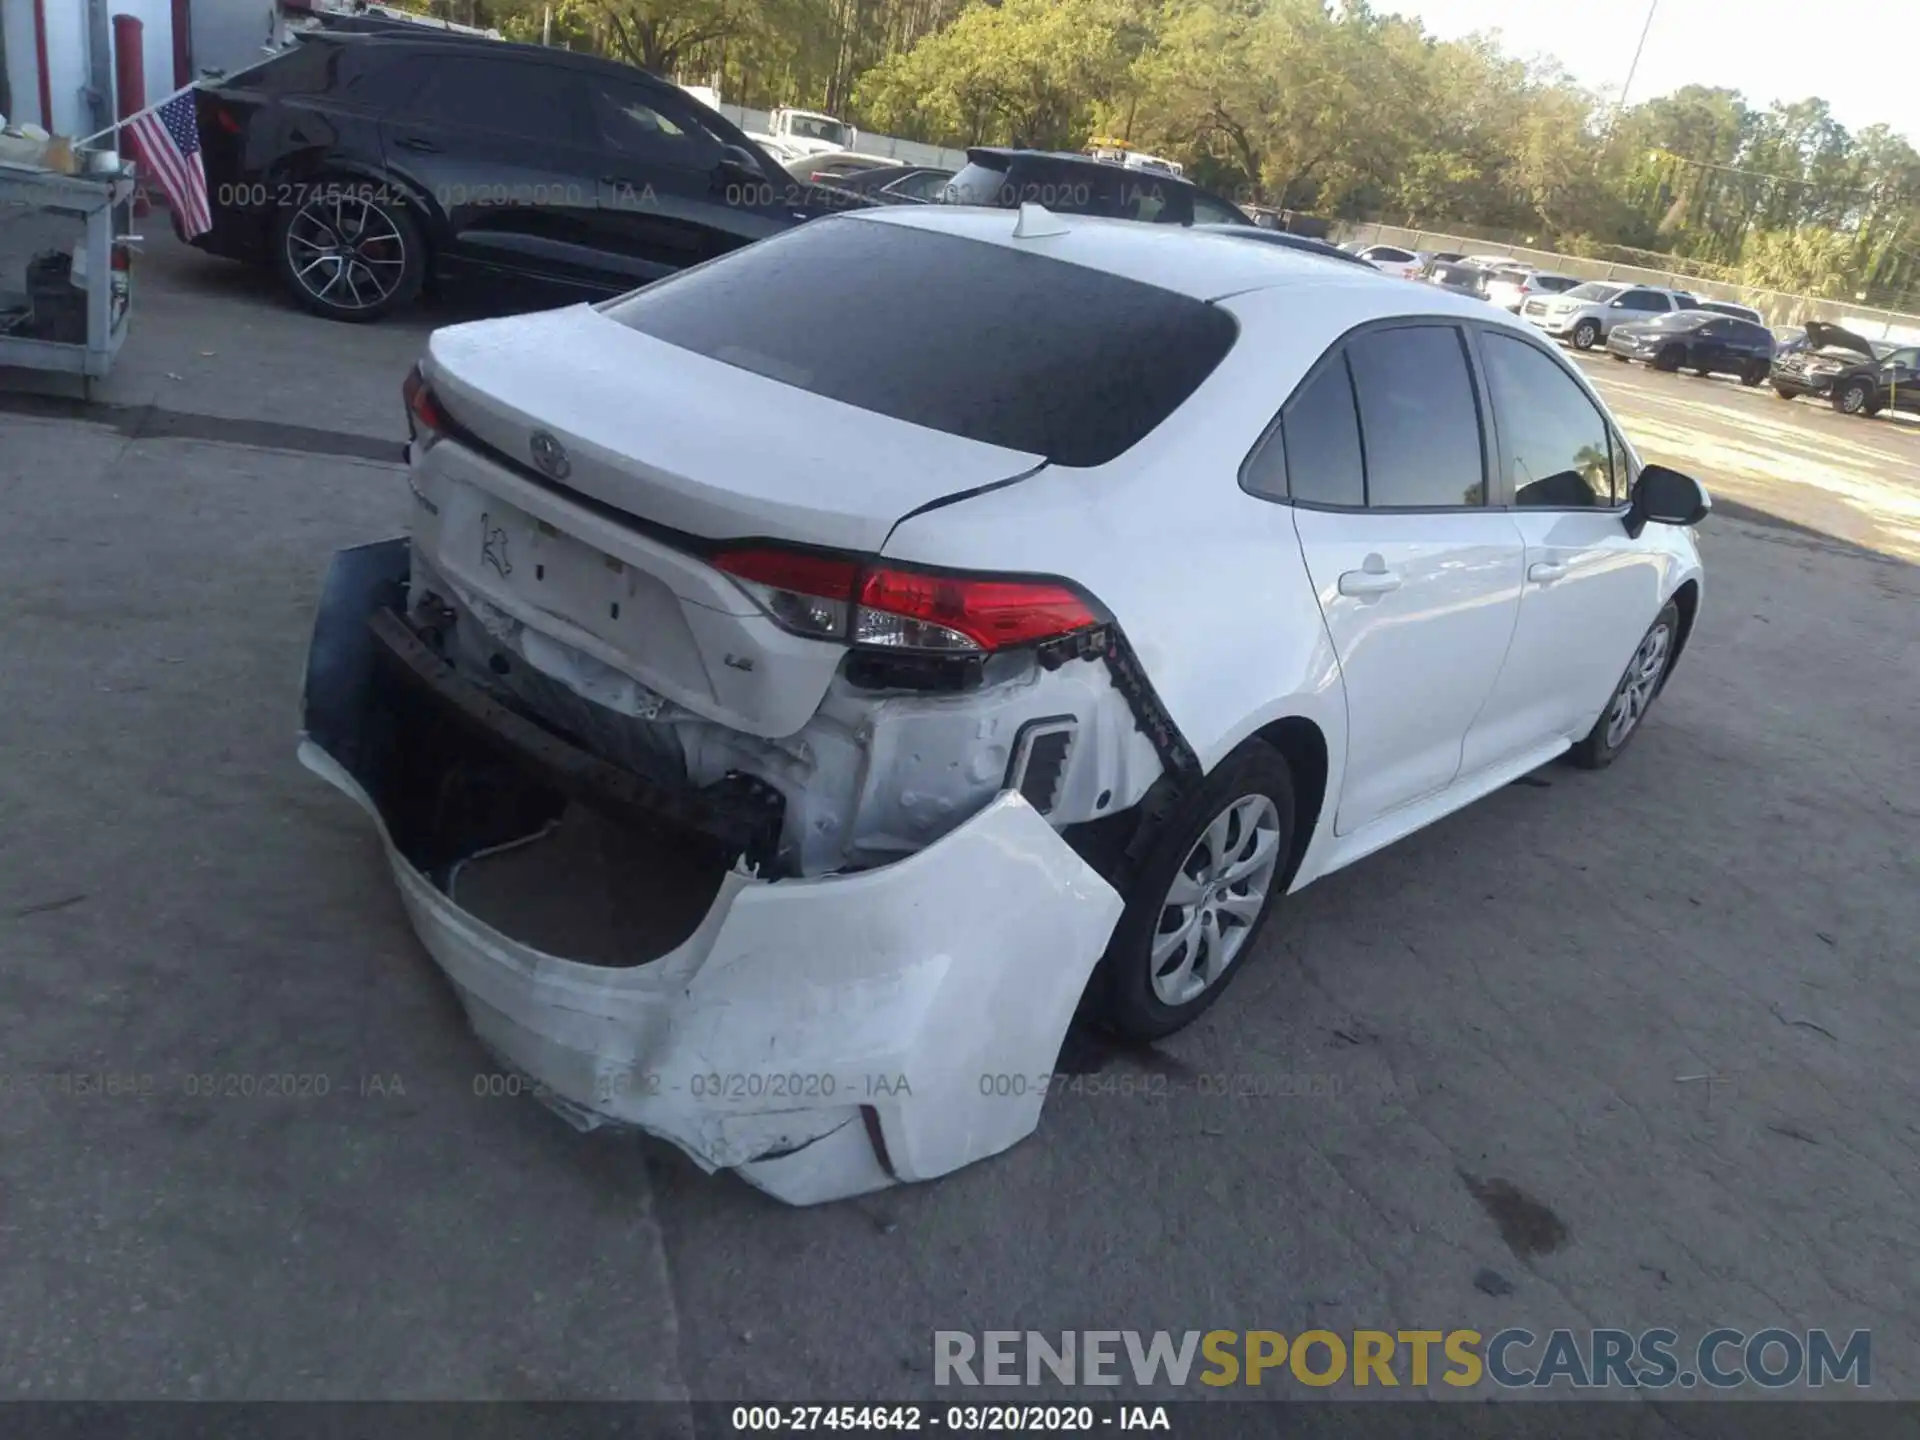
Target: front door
{"points": [[1419, 582], [666, 198], [1591, 590], [499, 147]]}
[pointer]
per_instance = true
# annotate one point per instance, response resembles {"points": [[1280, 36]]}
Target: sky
{"points": [[1767, 49]]}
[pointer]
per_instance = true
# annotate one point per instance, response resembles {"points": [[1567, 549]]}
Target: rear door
{"points": [[1419, 581], [499, 146], [665, 198], [1590, 590]]}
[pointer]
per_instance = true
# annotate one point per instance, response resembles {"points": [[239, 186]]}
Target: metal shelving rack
{"points": [[95, 200]]}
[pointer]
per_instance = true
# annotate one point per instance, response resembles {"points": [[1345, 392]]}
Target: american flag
{"points": [[168, 140]]}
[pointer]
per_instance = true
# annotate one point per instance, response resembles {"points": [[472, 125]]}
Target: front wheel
{"points": [[1633, 696], [1669, 359], [1198, 900], [349, 252], [1783, 394], [1854, 398], [1586, 334]]}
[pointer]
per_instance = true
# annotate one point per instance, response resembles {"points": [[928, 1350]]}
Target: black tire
{"points": [[1855, 398], [1623, 359], [1121, 996], [1602, 746], [1586, 334], [1669, 359], [1753, 375], [374, 280], [1783, 394]]}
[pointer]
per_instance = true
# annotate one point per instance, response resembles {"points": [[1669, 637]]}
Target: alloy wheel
{"points": [[1853, 400], [1636, 692], [345, 251], [1216, 896]]}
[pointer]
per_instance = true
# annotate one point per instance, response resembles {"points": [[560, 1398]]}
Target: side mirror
{"points": [[739, 160], [1666, 497]]}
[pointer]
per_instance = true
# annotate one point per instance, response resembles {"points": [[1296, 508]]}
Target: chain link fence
{"points": [[1777, 308]]}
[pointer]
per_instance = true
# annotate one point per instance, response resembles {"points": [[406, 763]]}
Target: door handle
{"points": [[1364, 583], [414, 142], [1546, 571]]}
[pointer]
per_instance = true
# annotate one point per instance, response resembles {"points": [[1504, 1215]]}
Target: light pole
{"points": [[1627, 84]]}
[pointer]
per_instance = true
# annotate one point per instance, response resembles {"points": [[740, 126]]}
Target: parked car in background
{"points": [[1460, 276], [905, 759], [1586, 314], [1728, 307], [1857, 376], [799, 134], [1511, 286], [1392, 260], [1071, 184], [1704, 341], [1789, 341], [1302, 244], [356, 166], [898, 184], [835, 167]]}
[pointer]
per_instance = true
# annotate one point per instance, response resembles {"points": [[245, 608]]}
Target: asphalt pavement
{"points": [[1637, 1045]]}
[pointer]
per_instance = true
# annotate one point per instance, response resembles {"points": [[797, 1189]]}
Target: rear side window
{"points": [[473, 92], [1419, 424], [1321, 436], [1644, 300], [1030, 353], [1554, 284], [1552, 437]]}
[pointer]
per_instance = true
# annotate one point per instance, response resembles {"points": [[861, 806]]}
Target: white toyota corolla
{"points": [[810, 678]]}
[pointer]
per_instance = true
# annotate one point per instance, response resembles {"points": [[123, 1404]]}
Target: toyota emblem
{"points": [[550, 455]]}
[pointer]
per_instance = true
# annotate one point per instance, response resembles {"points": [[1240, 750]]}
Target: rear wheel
{"points": [[1198, 899], [349, 251], [1586, 334], [1754, 374]]}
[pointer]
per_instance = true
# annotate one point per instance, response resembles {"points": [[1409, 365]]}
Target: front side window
{"points": [[1209, 211], [1553, 439], [627, 123], [1419, 425]]}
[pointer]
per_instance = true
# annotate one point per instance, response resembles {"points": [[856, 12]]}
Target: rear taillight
{"points": [[426, 421], [833, 597]]}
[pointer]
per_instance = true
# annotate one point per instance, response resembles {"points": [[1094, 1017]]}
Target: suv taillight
{"points": [[886, 607], [426, 421]]}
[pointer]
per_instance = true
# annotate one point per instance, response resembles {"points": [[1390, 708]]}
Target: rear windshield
{"points": [[1554, 284], [1011, 348], [1594, 290]]}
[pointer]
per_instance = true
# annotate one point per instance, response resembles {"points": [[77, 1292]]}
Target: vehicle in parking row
{"points": [[1729, 307], [1586, 314], [360, 166], [835, 167], [898, 184], [1392, 260], [1510, 287], [1064, 183], [1301, 244], [1858, 376], [929, 691], [1703, 341], [1460, 276]]}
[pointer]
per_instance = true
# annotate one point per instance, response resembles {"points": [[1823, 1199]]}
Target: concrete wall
{"points": [[68, 71]]}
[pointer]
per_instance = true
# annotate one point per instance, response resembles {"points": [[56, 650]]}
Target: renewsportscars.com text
{"points": [[1654, 1359]]}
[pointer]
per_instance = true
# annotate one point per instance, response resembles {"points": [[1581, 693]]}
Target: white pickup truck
{"points": [[794, 134]]}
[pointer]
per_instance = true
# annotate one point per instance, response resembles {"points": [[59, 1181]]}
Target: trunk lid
{"points": [[692, 444], [581, 555]]}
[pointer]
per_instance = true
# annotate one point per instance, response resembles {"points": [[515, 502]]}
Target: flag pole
{"points": [[163, 100]]}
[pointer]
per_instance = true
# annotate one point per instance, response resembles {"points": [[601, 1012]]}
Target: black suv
{"points": [[358, 164], [1081, 185], [1857, 376]]}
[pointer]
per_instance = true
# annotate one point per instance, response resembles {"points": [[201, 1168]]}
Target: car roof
{"points": [[1190, 260], [424, 39]]}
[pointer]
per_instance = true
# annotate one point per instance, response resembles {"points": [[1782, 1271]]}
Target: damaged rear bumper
{"points": [[825, 1037]]}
